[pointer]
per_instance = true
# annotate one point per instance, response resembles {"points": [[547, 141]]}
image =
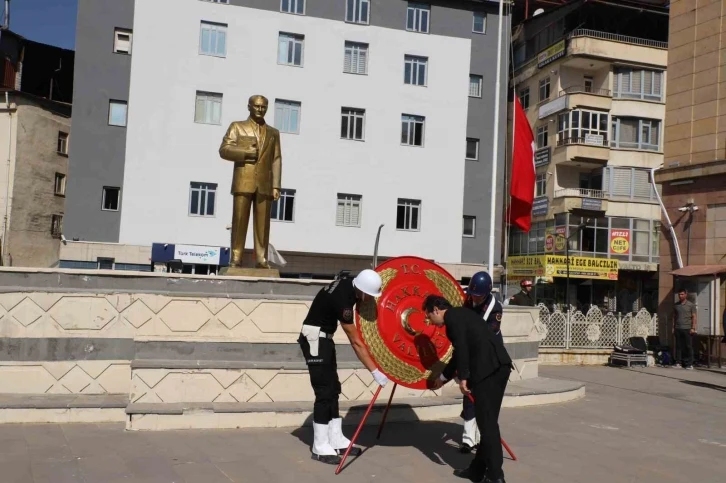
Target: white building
{"points": [[373, 107]]}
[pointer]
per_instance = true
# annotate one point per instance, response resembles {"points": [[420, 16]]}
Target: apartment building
{"points": [[592, 78], [385, 109], [693, 252]]}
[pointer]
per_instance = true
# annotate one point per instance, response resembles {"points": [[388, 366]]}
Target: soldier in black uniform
{"points": [[481, 300], [523, 298], [332, 304]]}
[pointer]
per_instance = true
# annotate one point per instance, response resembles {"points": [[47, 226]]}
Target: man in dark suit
{"points": [[482, 366]]}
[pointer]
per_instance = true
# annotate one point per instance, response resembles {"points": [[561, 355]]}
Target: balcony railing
{"points": [[585, 90], [580, 193], [618, 38], [592, 140]]}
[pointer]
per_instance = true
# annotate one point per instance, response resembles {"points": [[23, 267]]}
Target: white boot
{"points": [[322, 450], [471, 433], [338, 441]]}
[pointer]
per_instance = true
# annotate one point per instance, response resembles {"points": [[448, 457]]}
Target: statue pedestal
{"points": [[249, 272]]}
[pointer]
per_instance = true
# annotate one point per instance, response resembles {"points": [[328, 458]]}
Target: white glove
{"points": [[380, 378]]}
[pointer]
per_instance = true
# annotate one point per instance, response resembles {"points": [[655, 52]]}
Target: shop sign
{"points": [[197, 254], [592, 204], [556, 266], [620, 242], [551, 54], [540, 206], [552, 107], [582, 267], [542, 157]]}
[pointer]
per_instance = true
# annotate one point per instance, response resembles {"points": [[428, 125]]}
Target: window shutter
{"points": [[641, 185], [635, 86], [340, 213], [628, 131], [354, 213], [199, 114], [348, 59], [606, 180], [362, 60], [216, 117], [648, 82], [657, 79], [616, 79], [621, 181]]}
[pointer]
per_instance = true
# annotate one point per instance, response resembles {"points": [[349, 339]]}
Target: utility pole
{"points": [[6, 20]]}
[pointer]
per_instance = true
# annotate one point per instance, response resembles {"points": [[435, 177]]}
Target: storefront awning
{"points": [[699, 270]]}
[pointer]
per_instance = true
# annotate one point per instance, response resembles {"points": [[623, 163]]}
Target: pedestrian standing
{"points": [[523, 298], [684, 328], [482, 366]]}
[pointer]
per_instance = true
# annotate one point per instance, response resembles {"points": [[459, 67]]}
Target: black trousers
{"points": [[488, 395], [467, 410], [323, 379], [684, 343]]}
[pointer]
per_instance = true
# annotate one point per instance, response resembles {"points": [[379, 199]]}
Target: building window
{"points": [[582, 127], [542, 135], [541, 185], [287, 116], [62, 142], [469, 226], [105, 263], [208, 108], [60, 184], [356, 58], [588, 83], [56, 225], [638, 84], [202, 198], [352, 124], [284, 208], [633, 133], [122, 41], [524, 98], [213, 39], [117, 113], [480, 23], [544, 89], [356, 11], [472, 149], [415, 70], [293, 6], [347, 212], [475, 85], [408, 215], [110, 201], [417, 17], [628, 183], [290, 49], [412, 130]]}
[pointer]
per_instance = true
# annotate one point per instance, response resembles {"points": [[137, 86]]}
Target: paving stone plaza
{"points": [[638, 425]]}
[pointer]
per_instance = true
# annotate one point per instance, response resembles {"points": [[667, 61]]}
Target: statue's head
{"points": [[258, 107]]}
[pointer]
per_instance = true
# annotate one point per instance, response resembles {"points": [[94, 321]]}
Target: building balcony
{"points": [[587, 97], [623, 48], [590, 150], [569, 199]]}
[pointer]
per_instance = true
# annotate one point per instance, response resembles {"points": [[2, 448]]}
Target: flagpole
{"points": [[495, 144]]}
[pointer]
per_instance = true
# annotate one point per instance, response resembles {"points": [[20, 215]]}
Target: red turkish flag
{"points": [[523, 174]]}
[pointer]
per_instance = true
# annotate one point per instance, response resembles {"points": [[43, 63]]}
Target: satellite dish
{"points": [[538, 11]]}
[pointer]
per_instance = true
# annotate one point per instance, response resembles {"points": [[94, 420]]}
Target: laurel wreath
{"points": [[381, 354]]}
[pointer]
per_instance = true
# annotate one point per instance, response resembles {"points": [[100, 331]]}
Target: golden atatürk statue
{"points": [[254, 147]]}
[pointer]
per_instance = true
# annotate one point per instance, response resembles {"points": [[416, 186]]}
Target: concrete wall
{"points": [[30, 242], [98, 151]]}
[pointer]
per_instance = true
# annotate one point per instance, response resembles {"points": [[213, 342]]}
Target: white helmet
{"points": [[368, 282]]}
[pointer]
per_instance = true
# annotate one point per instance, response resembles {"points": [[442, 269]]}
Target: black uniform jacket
{"points": [[523, 299], [478, 352]]}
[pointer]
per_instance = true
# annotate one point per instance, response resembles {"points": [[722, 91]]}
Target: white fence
{"points": [[594, 330]]}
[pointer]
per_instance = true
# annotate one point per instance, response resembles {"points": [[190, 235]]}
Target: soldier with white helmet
{"points": [[335, 303]]}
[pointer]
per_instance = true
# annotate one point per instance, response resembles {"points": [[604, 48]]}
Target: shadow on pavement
{"points": [[437, 440], [706, 385]]}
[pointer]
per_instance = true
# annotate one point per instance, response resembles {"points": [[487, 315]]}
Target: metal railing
{"points": [[585, 90], [581, 193], [618, 38], [594, 330], [582, 140]]}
